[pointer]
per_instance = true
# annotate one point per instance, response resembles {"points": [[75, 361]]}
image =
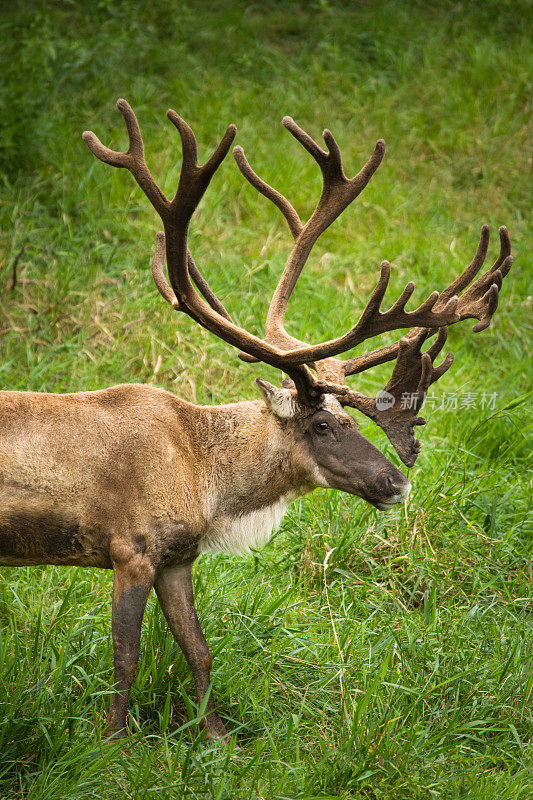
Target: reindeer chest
{"points": [[240, 533]]}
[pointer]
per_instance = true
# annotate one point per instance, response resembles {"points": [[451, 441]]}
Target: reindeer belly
{"points": [[35, 529]]}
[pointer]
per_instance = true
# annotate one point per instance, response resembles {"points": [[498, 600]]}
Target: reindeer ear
{"points": [[280, 401]]}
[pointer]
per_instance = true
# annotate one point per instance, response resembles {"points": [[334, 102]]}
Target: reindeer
{"points": [[133, 479]]}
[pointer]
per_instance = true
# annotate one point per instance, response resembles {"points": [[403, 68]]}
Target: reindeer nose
{"points": [[398, 486], [393, 487]]}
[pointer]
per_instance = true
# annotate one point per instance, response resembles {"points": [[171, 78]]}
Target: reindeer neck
{"points": [[250, 458]]}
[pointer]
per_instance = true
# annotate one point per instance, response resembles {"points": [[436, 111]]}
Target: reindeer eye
{"points": [[321, 427]]}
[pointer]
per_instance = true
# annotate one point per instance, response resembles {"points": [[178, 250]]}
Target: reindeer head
{"points": [[330, 449]]}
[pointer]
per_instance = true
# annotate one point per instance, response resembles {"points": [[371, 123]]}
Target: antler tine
{"points": [[337, 193], [505, 247], [189, 153], [389, 352], [288, 211], [376, 298], [381, 355], [307, 141], [132, 159], [205, 289], [472, 270], [158, 264], [413, 374]]}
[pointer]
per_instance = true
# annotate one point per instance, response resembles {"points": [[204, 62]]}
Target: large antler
{"points": [[414, 370], [479, 302], [395, 408], [176, 215]]}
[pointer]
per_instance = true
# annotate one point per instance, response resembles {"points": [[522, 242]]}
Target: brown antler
{"points": [[176, 216], [414, 370], [478, 302], [478, 290]]}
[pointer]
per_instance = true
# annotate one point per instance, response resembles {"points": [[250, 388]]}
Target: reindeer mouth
{"points": [[382, 506]]}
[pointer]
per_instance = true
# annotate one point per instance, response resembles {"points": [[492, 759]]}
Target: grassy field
{"points": [[358, 655]]}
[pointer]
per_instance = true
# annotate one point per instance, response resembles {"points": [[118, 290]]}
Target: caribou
{"points": [[134, 479]]}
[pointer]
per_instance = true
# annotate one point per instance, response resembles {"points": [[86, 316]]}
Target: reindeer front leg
{"points": [[133, 579], [174, 592]]}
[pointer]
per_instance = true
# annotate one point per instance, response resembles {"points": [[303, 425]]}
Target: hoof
{"points": [[215, 731], [218, 738]]}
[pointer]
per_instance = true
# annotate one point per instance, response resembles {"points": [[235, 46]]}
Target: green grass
{"points": [[358, 655]]}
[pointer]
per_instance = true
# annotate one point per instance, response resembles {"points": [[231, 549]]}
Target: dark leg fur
{"points": [[174, 591], [129, 602]]}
